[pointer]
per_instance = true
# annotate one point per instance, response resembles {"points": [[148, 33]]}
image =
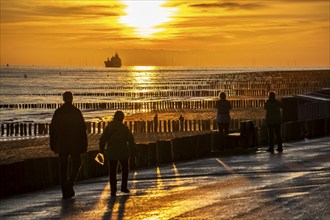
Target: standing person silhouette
{"points": [[68, 138], [223, 117], [156, 123], [181, 119], [273, 121], [119, 143]]}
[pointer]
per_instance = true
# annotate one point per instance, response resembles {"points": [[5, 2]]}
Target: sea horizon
{"points": [[167, 66]]}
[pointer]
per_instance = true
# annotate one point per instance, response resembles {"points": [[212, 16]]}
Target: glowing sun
{"points": [[146, 16]]}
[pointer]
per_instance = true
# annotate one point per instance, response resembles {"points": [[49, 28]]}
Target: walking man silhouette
{"points": [[68, 139]]}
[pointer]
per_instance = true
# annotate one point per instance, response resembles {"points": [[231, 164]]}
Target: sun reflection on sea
{"points": [[141, 68], [141, 76]]}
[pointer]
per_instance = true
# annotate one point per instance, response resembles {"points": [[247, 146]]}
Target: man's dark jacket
{"points": [[273, 112], [68, 131]]}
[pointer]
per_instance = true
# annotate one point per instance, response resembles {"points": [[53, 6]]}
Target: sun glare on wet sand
{"points": [[146, 16]]}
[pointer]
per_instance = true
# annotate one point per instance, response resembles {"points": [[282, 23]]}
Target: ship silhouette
{"points": [[115, 61]]}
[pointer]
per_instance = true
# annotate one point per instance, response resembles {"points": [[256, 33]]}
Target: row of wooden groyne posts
{"points": [[146, 105], [284, 83], [239, 98], [235, 85], [175, 92], [39, 129], [39, 173]]}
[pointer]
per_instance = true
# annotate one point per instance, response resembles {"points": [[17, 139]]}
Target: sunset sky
{"points": [[165, 32]]}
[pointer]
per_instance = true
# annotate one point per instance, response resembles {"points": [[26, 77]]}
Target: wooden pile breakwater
{"points": [[236, 85], [141, 93], [39, 173], [39, 129], [146, 105], [148, 127], [243, 90]]}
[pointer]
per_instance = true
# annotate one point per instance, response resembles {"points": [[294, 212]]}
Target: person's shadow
{"points": [[68, 208], [111, 203]]}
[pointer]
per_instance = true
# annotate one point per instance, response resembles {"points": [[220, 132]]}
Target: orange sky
{"points": [[160, 32]]}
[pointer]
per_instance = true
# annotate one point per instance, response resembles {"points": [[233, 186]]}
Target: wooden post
{"points": [[2, 129], [88, 127], [25, 130], [94, 128], [99, 127], [7, 129], [16, 129], [35, 128]]}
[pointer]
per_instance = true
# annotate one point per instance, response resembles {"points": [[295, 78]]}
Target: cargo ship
{"points": [[115, 61]]}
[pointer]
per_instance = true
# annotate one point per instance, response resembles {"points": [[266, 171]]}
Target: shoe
{"points": [[68, 193], [280, 150], [270, 150], [125, 191]]}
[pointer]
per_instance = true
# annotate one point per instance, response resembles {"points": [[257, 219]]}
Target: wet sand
{"points": [[20, 149]]}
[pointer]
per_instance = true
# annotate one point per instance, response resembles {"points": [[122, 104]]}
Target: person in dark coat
{"points": [[223, 117], [273, 121], [181, 119], [156, 123], [117, 143], [68, 138]]}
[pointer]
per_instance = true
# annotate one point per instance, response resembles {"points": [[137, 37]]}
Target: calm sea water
{"points": [[44, 84]]}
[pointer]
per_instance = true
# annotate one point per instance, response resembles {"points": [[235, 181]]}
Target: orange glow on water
{"points": [[142, 75]]}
